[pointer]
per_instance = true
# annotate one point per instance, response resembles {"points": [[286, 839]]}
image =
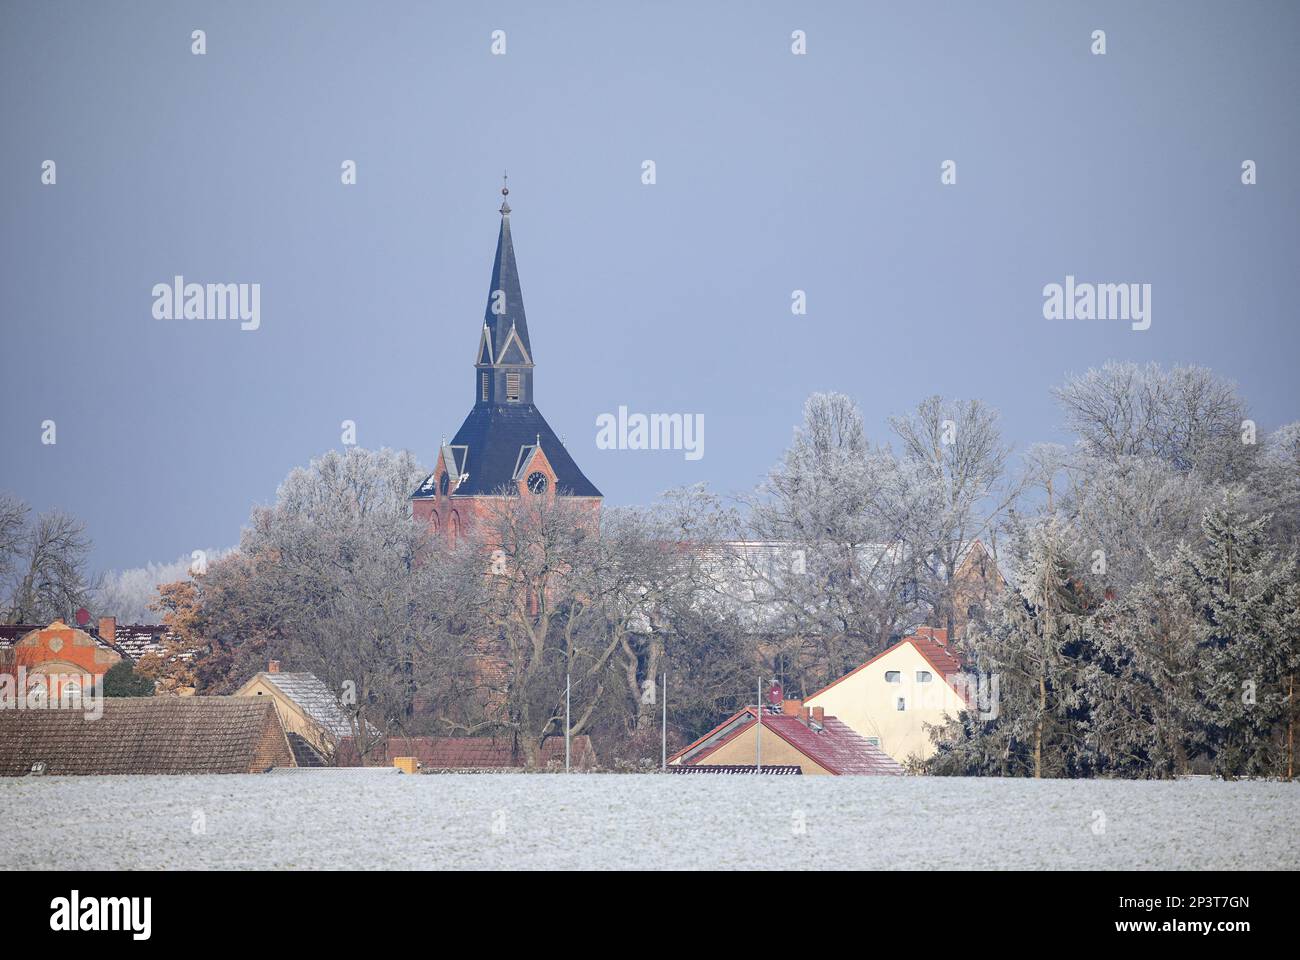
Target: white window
{"points": [[902, 704], [893, 676], [70, 694], [512, 386], [924, 676]]}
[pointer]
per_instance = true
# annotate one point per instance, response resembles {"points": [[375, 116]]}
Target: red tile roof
{"points": [[931, 644], [772, 769], [836, 748]]}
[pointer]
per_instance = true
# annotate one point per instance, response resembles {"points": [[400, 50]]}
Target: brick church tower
{"points": [[505, 447]]}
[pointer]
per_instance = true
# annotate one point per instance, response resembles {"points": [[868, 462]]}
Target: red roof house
{"points": [[793, 735]]}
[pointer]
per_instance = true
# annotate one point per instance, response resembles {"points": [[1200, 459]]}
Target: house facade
{"points": [[890, 698], [56, 663]]}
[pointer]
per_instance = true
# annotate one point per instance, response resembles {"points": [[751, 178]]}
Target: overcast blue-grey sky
{"points": [[775, 172]]}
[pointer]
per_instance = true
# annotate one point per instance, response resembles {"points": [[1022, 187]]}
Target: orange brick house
{"points": [[57, 662]]}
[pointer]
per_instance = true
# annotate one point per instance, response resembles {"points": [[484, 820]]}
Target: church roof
{"points": [[492, 450], [494, 435]]}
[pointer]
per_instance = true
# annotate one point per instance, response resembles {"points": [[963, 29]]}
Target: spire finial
{"points": [[505, 192]]}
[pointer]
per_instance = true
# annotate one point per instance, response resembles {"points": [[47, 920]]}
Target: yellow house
{"points": [[790, 737], [311, 714], [890, 698]]}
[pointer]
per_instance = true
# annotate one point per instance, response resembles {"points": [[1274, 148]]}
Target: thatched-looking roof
{"points": [[146, 735]]}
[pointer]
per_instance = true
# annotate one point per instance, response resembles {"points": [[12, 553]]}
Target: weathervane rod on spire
{"points": [[505, 192]]}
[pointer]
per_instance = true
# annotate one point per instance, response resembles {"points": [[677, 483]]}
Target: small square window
{"points": [[902, 704], [874, 741], [893, 676], [924, 676]]}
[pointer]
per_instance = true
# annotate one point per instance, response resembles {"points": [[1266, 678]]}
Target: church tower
{"points": [[505, 447]]}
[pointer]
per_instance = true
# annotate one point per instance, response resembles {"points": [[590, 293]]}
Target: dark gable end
{"points": [[146, 735]]}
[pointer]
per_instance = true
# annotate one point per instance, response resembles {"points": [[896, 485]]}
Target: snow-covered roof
{"points": [[315, 699]]}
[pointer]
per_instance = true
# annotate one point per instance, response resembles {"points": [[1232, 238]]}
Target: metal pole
{"points": [[566, 723], [663, 747], [758, 738]]}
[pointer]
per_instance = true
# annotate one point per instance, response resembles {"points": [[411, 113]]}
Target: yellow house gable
{"points": [[890, 699], [292, 716], [775, 751]]}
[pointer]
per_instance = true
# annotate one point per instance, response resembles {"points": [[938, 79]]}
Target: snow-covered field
{"points": [[357, 819]]}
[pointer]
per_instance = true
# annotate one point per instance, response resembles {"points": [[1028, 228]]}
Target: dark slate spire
{"points": [[504, 361], [492, 449]]}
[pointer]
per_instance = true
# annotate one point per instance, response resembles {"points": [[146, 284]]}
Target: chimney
{"points": [[273, 666], [791, 707], [937, 634], [819, 716], [803, 716], [108, 629]]}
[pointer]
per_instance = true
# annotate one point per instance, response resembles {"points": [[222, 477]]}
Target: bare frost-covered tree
{"points": [[42, 563], [13, 521], [1128, 514], [867, 541], [331, 578], [544, 588], [830, 573], [954, 457], [521, 582], [1188, 417]]}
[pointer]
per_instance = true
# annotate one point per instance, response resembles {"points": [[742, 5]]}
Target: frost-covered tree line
{"points": [[1150, 628], [419, 635], [1154, 628], [132, 595]]}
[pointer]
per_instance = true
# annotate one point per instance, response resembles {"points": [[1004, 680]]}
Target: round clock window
{"points": [[537, 482]]}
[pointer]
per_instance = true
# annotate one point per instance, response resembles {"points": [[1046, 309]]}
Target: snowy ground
{"points": [[350, 819]]}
